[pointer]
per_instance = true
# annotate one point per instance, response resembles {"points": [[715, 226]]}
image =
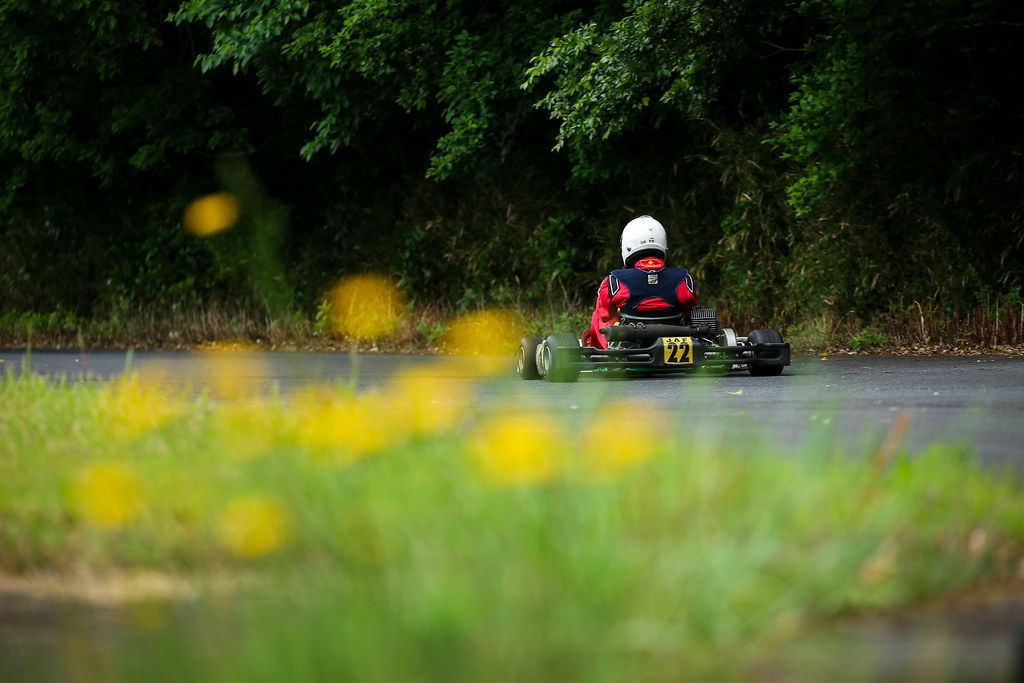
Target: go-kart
{"points": [[656, 345]]}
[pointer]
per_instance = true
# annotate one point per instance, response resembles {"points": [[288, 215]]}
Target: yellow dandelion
{"points": [[253, 525], [107, 494], [423, 403], [130, 407], [346, 428], [517, 449], [230, 374], [226, 345], [211, 214], [488, 338], [603, 454], [365, 307], [248, 429], [156, 375]]}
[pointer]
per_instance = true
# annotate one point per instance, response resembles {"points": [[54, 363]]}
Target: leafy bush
{"points": [[870, 339]]}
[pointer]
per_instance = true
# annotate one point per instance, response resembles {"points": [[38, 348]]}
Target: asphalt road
{"points": [[849, 402]]}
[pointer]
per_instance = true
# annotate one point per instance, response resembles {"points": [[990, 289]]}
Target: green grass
{"points": [[413, 560], [870, 339], [996, 326]]}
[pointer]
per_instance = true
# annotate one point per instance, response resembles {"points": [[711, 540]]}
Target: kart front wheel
{"points": [[526, 361], [557, 360], [764, 337]]}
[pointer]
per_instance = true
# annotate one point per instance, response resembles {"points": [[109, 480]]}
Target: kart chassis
{"points": [[652, 355], [654, 349]]}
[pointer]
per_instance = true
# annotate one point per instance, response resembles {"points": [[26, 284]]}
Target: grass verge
{"points": [[400, 535], [996, 327], [419, 329]]}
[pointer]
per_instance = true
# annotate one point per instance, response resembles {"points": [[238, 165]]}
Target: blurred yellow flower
{"points": [[107, 494], [211, 214], [229, 373], [253, 525], [365, 307], [248, 429], [130, 407], [488, 337], [347, 428], [423, 402], [517, 449], [224, 345], [604, 454]]}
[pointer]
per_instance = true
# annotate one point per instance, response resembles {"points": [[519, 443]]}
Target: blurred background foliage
{"points": [[809, 158]]}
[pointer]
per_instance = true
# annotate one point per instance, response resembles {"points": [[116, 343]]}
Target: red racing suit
{"points": [[646, 288]]}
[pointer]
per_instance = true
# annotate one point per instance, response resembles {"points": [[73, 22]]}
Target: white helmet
{"points": [[641, 234]]}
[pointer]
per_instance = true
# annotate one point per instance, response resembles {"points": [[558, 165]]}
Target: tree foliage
{"points": [[903, 134], [103, 89], [806, 155], [661, 63], [450, 68], [102, 120]]}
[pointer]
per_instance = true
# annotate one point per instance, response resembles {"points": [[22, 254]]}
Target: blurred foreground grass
{"points": [[399, 535]]}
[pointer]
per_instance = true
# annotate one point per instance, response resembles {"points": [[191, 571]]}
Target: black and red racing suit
{"points": [[648, 289]]}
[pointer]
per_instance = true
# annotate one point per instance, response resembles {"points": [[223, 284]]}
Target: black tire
{"points": [[559, 359], [526, 361], [766, 336]]}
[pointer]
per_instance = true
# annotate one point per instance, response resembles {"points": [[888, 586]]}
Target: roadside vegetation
{"points": [[422, 329], [827, 168], [398, 534]]}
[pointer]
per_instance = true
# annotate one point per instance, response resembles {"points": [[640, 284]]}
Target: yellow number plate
{"points": [[678, 350]]}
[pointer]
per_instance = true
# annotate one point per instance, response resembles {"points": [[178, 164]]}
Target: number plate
{"points": [[678, 350]]}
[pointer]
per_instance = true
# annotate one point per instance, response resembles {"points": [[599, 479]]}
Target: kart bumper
{"points": [[659, 357]]}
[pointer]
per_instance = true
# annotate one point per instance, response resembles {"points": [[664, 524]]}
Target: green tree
{"points": [[805, 155], [101, 113], [451, 70], [904, 133]]}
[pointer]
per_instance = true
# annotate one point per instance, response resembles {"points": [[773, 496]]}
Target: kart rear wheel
{"points": [[765, 336], [727, 337], [557, 360], [526, 361]]}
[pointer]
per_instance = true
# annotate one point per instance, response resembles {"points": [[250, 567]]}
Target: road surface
{"points": [[849, 400]]}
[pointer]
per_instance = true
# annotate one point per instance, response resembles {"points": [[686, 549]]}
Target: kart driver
{"points": [[645, 288]]}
